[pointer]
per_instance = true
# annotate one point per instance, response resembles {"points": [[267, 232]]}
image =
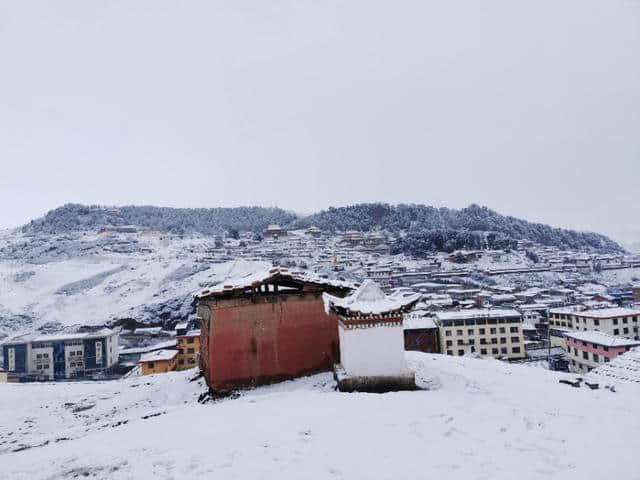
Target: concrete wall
{"points": [[373, 351], [247, 342]]}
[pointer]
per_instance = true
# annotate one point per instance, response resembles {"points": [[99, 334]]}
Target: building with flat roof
{"points": [[159, 361], [492, 332], [617, 321], [589, 349], [57, 357]]}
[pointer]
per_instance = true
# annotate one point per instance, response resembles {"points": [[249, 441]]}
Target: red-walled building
{"points": [[267, 327], [420, 332]]}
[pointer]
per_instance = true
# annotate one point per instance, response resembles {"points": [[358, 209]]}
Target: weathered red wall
{"points": [[424, 340], [278, 337]]}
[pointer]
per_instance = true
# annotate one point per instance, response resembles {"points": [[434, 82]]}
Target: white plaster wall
{"points": [[33, 361], [373, 351], [113, 355]]}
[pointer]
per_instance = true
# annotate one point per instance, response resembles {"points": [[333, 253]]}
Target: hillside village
{"points": [[533, 289], [205, 321]]}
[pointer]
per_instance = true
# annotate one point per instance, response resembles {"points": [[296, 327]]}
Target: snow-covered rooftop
{"points": [[104, 332], [411, 322], [158, 356], [608, 312], [601, 338], [624, 368], [477, 313], [369, 299], [268, 275]]}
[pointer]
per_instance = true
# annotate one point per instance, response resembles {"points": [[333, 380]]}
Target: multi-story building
{"points": [[492, 332], [621, 322], [188, 344], [588, 350], [54, 357]]}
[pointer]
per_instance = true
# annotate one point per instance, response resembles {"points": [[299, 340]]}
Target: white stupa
{"points": [[371, 339]]}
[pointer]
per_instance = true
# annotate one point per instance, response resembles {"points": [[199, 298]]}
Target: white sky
{"points": [[529, 107]]}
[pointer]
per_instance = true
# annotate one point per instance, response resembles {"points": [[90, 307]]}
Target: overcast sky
{"points": [[531, 108]]}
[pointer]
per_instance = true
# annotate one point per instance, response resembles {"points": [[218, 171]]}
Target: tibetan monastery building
{"points": [[267, 327]]}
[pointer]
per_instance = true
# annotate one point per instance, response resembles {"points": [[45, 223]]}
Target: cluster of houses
{"points": [[345, 305]]}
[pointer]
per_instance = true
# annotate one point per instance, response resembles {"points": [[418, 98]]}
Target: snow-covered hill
{"points": [[58, 281], [477, 419]]}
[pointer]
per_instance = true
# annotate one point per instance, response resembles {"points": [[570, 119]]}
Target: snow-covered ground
{"points": [[476, 419]]}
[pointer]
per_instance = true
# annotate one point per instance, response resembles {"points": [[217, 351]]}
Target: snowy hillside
{"points": [[476, 419], [58, 281]]}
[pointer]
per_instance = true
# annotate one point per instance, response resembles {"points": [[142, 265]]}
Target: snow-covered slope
{"points": [[89, 279], [478, 419]]}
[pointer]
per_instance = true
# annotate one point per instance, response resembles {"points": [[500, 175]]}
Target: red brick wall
{"points": [[275, 338]]}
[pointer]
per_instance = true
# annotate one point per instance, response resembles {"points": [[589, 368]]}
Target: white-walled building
{"points": [[620, 322], [492, 332], [371, 337]]}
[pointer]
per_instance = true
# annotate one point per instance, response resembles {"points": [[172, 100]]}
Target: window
{"points": [[625, 330], [503, 330], [616, 331], [39, 356], [503, 339], [447, 333], [596, 357], [585, 355], [596, 321], [190, 340], [460, 342], [625, 320], [191, 350], [494, 351], [181, 362], [483, 351], [71, 354], [606, 359], [150, 364], [449, 343], [513, 329], [481, 331], [459, 333], [493, 331], [45, 355], [615, 321], [503, 350], [192, 361], [449, 352], [494, 341], [483, 341], [460, 352], [515, 350], [575, 352], [515, 339]]}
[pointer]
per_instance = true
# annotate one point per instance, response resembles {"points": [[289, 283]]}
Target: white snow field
{"points": [[94, 286], [477, 419]]}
